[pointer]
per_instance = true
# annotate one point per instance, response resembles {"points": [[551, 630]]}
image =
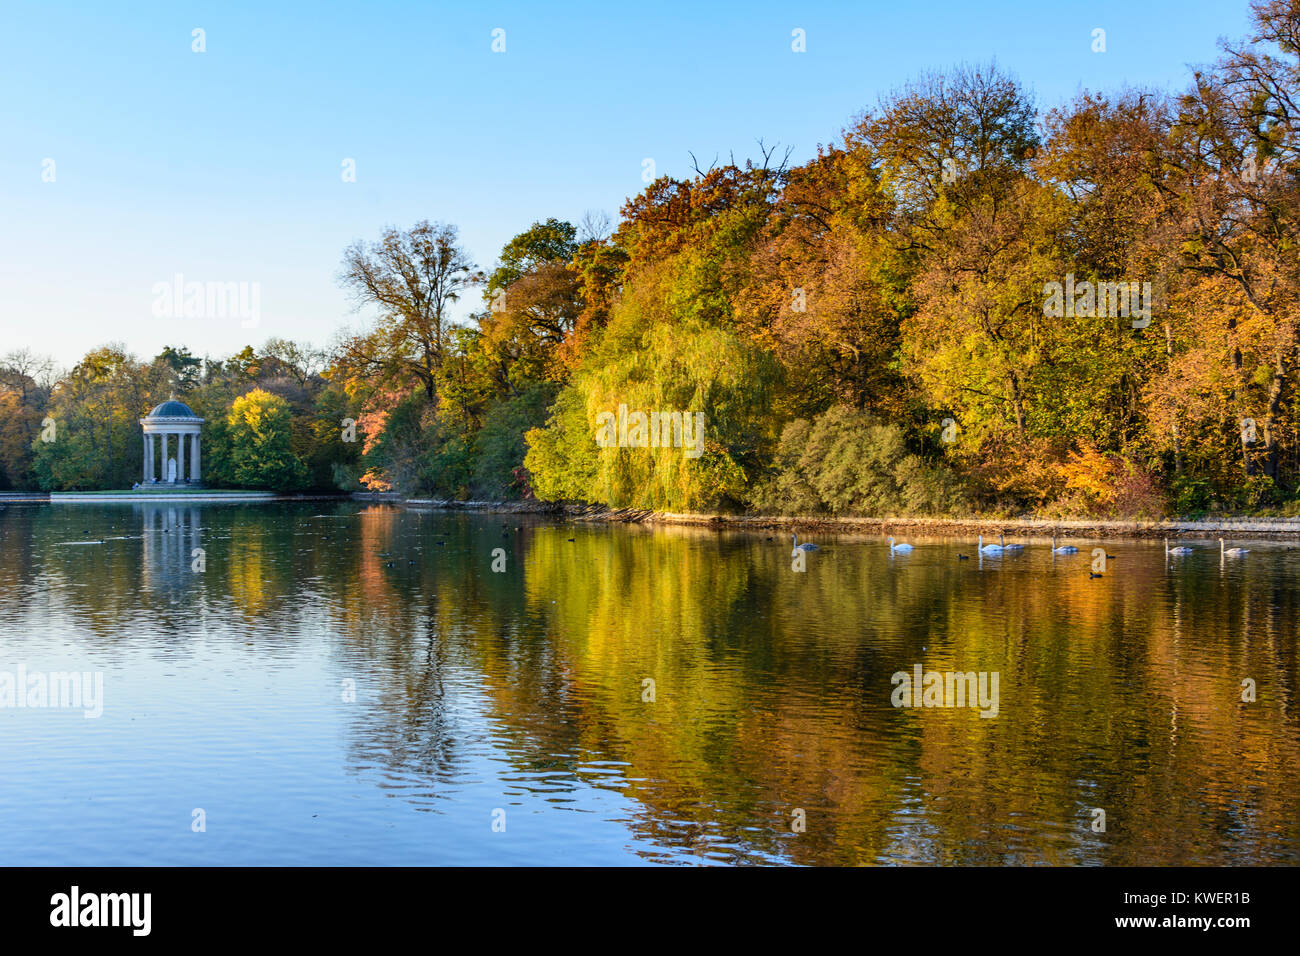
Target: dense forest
{"points": [[963, 304]]}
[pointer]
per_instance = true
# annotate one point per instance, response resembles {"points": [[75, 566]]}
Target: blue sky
{"points": [[225, 166]]}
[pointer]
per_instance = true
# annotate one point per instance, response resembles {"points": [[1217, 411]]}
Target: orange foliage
{"points": [[1107, 485]]}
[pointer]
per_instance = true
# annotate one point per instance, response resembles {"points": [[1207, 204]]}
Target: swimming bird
{"points": [[1063, 549], [1010, 547], [806, 546], [989, 548], [1180, 549], [898, 547], [1231, 552], [1093, 574], [963, 557]]}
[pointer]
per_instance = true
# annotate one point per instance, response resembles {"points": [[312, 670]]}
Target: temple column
{"points": [[180, 458], [194, 458], [144, 461], [150, 460], [166, 474]]}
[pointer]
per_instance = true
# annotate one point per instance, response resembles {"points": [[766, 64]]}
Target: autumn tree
{"points": [[1237, 152], [25, 383], [952, 153], [96, 432], [533, 300], [411, 278], [258, 438]]}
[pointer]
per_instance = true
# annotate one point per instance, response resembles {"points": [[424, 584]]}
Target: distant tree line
{"points": [[960, 304], [272, 420]]}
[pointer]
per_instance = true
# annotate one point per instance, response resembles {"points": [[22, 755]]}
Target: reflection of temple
{"points": [[171, 533]]}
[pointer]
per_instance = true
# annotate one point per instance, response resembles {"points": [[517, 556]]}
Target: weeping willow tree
{"points": [[661, 353]]}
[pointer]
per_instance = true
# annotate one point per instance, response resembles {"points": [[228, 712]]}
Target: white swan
{"points": [[1010, 547], [807, 546], [898, 547], [1180, 549], [1231, 552], [989, 548], [1063, 549]]}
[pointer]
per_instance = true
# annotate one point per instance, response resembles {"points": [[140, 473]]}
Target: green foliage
{"points": [[1255, 493], [448, 465], [69, 463], [500, 446], [543, 242], [399, 449], [846, 463], [261, 456], [96, 410], [562, 457], [218, 465], [331, 461], [660, 353], [1191, 496], [97, 438]]}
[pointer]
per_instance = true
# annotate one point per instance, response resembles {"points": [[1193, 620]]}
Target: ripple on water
{"points": [[323, 708]]}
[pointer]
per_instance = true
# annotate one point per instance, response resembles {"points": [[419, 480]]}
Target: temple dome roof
{"points": [[172, 409]]}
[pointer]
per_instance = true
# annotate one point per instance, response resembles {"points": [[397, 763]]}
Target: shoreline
{"points": [[1040, 527], [1037, 527], [1234, 525]]}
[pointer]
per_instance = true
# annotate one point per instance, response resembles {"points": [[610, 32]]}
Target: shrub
{"points": [[1106, 485], [1191, 495], [845, 462]]}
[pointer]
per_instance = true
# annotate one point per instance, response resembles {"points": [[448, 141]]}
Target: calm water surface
{"points": [[520, 696]]}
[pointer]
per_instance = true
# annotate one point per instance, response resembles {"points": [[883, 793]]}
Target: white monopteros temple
{"points": [[171, 419]]}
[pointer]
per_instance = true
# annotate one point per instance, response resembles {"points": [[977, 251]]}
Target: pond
{"points": [[337, 683]]}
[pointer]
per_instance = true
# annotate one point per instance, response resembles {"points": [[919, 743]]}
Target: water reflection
{"points": [[170, 536], [674, 694]]}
